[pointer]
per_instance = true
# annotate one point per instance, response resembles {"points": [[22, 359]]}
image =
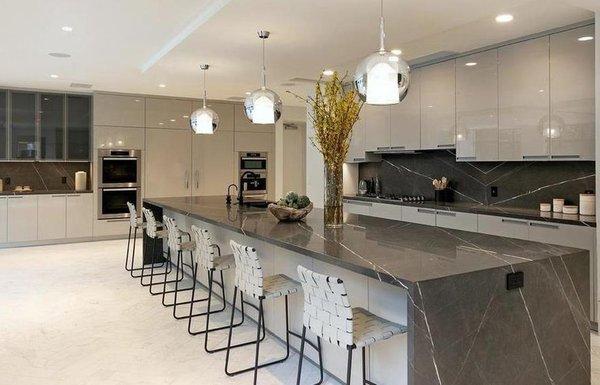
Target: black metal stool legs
{"points": [[152, 263], [318, 348]]}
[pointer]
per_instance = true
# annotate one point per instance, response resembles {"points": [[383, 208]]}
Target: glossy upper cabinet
{"points": [[168, 113], [356, 150], [79, 126], [572, 121], [168, 163], [405, 117], [23, 125], [3, 124], [477, 107], [438, 106], [377, 127], [523, 99], [118, 110], [243, 124]]}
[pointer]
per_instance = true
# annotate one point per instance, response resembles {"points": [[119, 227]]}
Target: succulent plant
{"points": [[303, 201], [282, 202], [291, 197], [293, 200]]}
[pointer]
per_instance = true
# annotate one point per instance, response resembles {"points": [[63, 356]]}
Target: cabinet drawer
{"points": [[563, 235], [418, 215], [111, 227], [503, 227], [22, 218], [456, 220], [355, 207], [383, 210]]}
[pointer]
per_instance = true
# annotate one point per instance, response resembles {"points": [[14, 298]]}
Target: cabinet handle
{"points": [[426, 211], [398, 147], [545, 225], [445, 145], [359, 159], [466, 158], [533, 157], [58, 196], [186, 179], [516, 221], [16, 197], [565, 156], [383, 148], [197, 176], [358, 203], [73, 195], [117, 220], [446, 213]]}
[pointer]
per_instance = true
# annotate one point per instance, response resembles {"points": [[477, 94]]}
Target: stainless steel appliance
{"points": [[119, 182], [253, 174]]}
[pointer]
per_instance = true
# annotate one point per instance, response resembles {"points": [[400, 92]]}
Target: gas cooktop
{"points": [[397, 197]]}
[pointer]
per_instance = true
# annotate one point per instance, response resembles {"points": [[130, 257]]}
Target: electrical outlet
{"points": [[63, 180], [494, 191], [7, 180], [515, 280]]}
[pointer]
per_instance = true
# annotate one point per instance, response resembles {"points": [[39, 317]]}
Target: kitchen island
{"points": [[470, 317]]}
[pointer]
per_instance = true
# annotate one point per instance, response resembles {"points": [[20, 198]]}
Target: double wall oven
{"points": [[253, 174], [119, 182]]}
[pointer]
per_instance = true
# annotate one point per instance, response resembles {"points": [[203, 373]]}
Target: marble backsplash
{"points": [[520, 184], [42, 175]]}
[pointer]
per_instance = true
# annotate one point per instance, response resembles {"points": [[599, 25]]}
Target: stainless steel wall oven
{"points": [[119, 182]]}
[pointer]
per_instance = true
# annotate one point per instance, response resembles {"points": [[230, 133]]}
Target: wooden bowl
{"points": [[288, 214]]}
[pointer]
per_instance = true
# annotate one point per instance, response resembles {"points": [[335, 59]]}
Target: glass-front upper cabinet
{"points": [[79, 126], [23, 125], [52, 123], [3, 124]]}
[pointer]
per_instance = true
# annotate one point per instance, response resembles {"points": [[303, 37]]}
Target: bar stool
{"points": [[175, 242], [155, 231], [328, 314], [135, 223], [249, 279], [209, 258]]}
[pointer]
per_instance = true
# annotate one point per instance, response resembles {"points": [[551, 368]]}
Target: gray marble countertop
{"points": [[476, 208], [44, 192], [396, 252]]}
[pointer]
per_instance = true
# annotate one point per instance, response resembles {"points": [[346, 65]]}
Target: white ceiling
{"points": [[134, 45]]}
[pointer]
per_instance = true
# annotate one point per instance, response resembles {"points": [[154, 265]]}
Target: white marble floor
{"points": [[69, 314]]}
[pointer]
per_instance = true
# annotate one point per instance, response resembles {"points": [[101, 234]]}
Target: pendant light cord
{"points": [[264, 68], [381, 30], [204, 86]]}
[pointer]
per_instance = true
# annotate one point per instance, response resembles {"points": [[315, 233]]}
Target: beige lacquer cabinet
{"points": [[477, 107], [356, 150], [168, 162], [3, 219], [405, 120], [118, 110], [523, 85], [377, 126], [168, 113], [572, 109], [437, 106]]}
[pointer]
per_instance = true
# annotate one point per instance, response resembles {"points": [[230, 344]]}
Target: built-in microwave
{"points": [[119, 168], [253, 161]]}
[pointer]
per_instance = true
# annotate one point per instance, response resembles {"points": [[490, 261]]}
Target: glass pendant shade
{"points": [[263, 106], [204, 121]]}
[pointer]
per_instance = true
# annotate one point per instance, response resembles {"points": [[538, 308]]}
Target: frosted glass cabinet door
{"points": [[477, 106], [377, 127], [572, 95], [356, 151], [438, 106], [523, 83], [405, 127]]}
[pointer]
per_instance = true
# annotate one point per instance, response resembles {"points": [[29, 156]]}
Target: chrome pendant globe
{"points": [[382, 78], [204, 120], [263, 106]]}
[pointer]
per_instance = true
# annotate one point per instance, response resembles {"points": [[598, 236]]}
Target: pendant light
{"points": [[263, 106], [382, 78], [204, 120]]}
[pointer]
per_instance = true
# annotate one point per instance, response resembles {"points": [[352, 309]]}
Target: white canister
{"points": [[587, 204], [80, 181], [557, 205], [545, 207]]}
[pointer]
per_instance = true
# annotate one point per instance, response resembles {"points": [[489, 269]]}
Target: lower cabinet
{"points": [[22, 218], [357, 207], [503, 227], [456, 220], [418, 215], [3, 219], [79, 215], [383, 210], [51, 216], [111, 227]]}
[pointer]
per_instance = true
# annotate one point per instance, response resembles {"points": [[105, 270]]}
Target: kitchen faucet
{"points": [[228, 199]]}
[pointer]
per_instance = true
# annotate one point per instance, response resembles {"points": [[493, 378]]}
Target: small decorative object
{"points": [[440, 186], [333, 112], [80, 181], [292, 207], [557, 205], [545, 207], [204, 120], [570, 209], [587, 203]]}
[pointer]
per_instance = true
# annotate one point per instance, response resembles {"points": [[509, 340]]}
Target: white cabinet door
{"points": [[456, 220], [22, 218], [503, 227], [3, 219], [168, 163], [572, 95], [385, 210], [118, 110], [242, 124], [51, 216], [377, 127], [523, 85], [438, 106], [80, 211], [477, 107], [168, 113], [214, 163], [418, 215], [357, 207], [356, 151], [405, 121]]}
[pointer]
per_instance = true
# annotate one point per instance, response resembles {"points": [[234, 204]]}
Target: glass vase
{"points": [[334, 190]]}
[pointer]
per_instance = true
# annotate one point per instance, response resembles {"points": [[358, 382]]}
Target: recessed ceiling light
{"points": [[504, 18], [328, 72], [186, 116], [248, 93], [162, 85], [396, 51], [53, 76], [67, 28], [61, 55], [471, 64], [172, 120], [585, 38]]}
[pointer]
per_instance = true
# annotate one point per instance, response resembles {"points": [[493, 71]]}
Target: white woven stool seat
{"points": [[188, 246], [279, 285], [224, 262], [369, 328]]}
